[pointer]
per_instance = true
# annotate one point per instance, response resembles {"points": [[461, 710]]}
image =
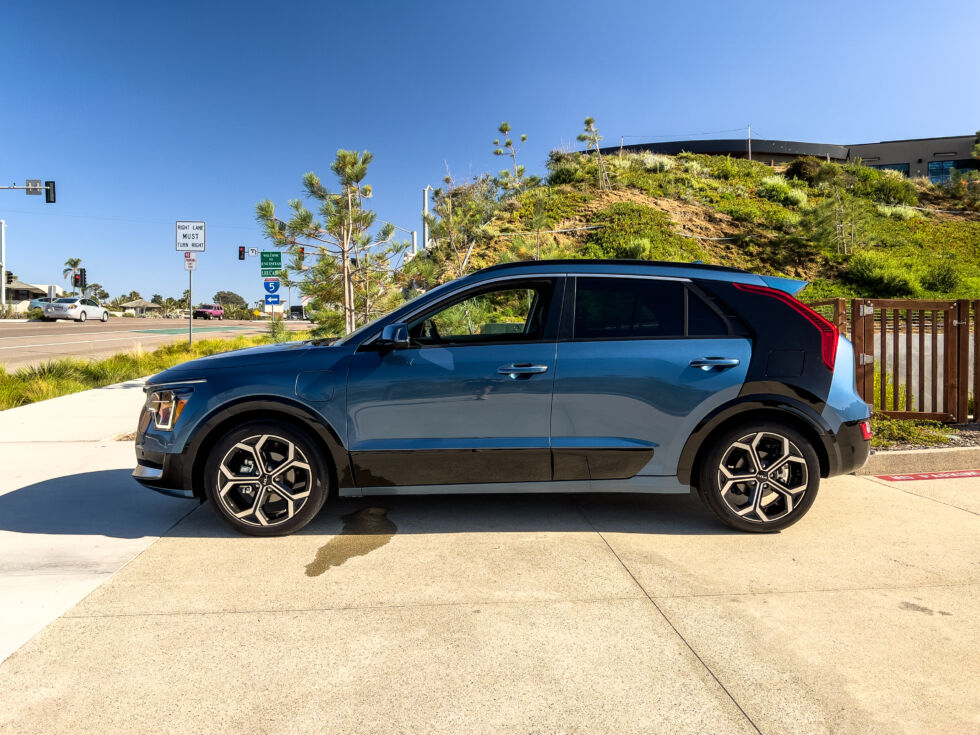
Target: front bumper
{"points": [[165, 473]]}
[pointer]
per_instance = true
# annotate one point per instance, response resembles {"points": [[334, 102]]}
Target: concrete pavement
{"points": [[495, 614]]}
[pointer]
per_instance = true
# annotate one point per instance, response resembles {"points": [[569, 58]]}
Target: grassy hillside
{"points": [[850, 230]]}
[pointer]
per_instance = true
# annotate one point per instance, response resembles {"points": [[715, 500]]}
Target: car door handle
{"points": [[708, 363], [522, 368]]}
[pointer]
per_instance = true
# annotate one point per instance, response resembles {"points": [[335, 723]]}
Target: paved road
{"points": [[25, 343], [548, 613]]}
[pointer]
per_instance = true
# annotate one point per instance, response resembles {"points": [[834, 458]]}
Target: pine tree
{"points": [[591, 137], [509, 179]]}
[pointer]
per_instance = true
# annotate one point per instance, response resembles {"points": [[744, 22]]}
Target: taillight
{"points": [[828, 332], [866, 432]]}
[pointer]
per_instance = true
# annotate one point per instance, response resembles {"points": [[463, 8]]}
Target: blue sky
{"points": [[145, 113]]}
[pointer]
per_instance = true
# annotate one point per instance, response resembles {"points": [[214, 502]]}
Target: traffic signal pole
{"points": [[3, 266]]}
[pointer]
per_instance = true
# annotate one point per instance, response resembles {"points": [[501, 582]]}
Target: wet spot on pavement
{"points": [[364, 531]]}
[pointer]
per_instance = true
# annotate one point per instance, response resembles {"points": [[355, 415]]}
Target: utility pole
{"points": [[750, 142], [425, 216]]}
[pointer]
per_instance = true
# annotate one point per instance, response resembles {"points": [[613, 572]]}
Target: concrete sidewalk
{"points": [[530, 614], [70, 514]]}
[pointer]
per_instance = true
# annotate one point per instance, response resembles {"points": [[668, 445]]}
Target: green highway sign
{"points": [[270, 272], [271, 259]]}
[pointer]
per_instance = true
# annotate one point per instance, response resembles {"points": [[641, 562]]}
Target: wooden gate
{"points": [[912, 356]]}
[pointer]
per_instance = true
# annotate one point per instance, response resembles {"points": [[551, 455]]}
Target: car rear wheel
{"points": [[760, 477], [266, 478], [82, 316]]}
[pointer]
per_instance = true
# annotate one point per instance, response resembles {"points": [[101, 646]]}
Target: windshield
{"points": [[67, 301], [404, 308]]}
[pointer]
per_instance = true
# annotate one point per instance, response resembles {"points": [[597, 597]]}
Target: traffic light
{"points": [[83, 280], [241, 252], [76, 280], [10, 277], [302, 251], [49, 192]]}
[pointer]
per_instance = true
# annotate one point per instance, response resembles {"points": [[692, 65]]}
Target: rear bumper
{"points": [[850, 449]]}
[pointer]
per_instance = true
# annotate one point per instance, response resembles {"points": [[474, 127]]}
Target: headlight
{"points": [[166, 407]]}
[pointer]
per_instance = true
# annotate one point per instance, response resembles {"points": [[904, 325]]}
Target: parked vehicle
{"points": [[551, 376], [209, 311], [39, 303], [77, 308]]}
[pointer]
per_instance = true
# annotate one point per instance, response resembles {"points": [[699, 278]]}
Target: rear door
{"points": [[470, 400], [640, 361]]}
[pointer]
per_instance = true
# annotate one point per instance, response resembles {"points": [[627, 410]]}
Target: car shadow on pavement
{"points": [[111, 503], [102, 503]]}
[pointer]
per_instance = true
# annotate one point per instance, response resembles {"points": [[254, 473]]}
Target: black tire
{"points": [[105, 316], [280, 516], [787, 492], [82, 317]]}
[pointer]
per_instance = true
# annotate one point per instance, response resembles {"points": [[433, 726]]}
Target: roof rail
{"points": [[596, 261]]}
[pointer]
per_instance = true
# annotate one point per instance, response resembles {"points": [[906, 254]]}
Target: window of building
{"points": [[940, 172]]}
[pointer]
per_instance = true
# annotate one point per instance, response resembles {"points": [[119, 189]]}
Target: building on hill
{"points": [[932, 157]]}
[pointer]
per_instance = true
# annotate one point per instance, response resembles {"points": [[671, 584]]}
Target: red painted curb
{"points": [[930, 475]]}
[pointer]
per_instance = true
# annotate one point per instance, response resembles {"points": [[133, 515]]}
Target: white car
{"points": [[74, 307]]}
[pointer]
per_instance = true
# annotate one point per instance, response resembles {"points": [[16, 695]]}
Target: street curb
{"points": [[903, 461]]}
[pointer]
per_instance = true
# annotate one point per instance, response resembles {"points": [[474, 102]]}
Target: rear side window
{"points": [[702, 320], [628, 308]]}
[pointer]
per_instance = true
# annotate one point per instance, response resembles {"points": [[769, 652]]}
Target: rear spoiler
{"points": [[786, 285]]}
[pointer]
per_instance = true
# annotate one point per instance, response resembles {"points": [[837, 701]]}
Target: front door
{"points": [[469, 401]]}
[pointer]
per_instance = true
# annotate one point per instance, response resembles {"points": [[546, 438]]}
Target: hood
{"points": [[248, 357]]}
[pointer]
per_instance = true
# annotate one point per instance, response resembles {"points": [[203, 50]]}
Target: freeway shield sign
{"points": [[271, 285]]}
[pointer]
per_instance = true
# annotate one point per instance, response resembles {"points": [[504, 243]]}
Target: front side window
{"points": [[505, 314]]}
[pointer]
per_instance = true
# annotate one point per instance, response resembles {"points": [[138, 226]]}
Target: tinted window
{"points": [[702, 320], [628, 308], [505, 314]]}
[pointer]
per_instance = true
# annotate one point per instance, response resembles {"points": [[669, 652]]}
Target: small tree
{"points": [[591, 137], [347, 255], [509, 179], [229, 299]]}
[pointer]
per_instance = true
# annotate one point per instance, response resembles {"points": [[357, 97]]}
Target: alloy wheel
{"points": [[762, 477], [264, 480]]}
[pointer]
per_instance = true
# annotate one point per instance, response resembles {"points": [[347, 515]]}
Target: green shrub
{"points": [[942, 275], [804, 169], [35, 314], [879, 277], [627, 227], [900, 211], [777, 189], [882, 185], [889, 431], [656, 163], [277, 330]]}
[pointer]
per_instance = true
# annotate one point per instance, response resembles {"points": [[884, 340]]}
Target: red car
{"points": [[209, 311]]}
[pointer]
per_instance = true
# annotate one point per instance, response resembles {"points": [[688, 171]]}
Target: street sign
{"points": [[253, 252], [272, 299], [190, 261], [34, 186], [191, 236], [271, 259], [271, 285]]}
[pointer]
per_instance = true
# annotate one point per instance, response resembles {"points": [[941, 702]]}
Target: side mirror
{"points": [[394, 337]]}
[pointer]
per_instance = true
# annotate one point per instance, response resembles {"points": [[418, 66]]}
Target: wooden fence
{"points": [[913, 357]]}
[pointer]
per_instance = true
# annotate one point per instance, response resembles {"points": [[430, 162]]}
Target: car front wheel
{"points": [[266, 478], [105, 316], [760, 477]]}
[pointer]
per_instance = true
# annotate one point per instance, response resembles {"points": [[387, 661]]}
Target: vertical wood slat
{"points": [[935, 361], [908, 359], [962, 359], [857, 338], [869, 342], [922, 360], [840, 316], [976, 361], [895, 373], [884, 357], [949, 337]]}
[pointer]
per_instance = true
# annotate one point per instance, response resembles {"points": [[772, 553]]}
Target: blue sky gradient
{"points": [[148, 113]]}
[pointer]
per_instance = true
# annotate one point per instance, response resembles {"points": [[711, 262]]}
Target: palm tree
{"points": [[71, 268]]}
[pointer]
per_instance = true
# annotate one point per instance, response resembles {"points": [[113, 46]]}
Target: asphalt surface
{"points": [[126, 611], [26, 343]]}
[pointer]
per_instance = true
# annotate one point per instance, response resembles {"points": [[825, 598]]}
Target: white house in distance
{"points": [[20, 294]]}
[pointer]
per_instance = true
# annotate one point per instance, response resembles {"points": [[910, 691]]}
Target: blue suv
{"points": [[551, 376]]}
